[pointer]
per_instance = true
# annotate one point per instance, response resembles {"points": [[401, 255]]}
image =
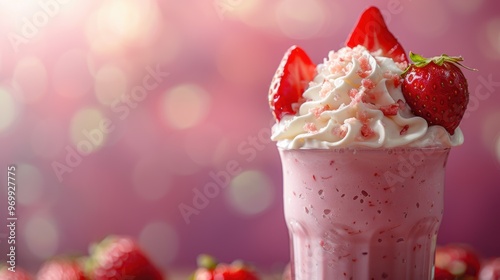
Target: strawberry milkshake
{"points": [[364, 140]]}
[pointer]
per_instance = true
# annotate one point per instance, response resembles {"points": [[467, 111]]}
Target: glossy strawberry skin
{"points": [[437, 93], [372, 33], [290, 81], [460, 260], [120, 257], [61, 269]]}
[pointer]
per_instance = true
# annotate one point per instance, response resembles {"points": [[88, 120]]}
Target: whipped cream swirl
{"points": [[355, 100]]}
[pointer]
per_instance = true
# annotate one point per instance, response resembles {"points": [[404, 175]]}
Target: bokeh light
{"points": [[236, 9], [47, 138], [491, 46], [110, 84], [12, 10], [466, 6], [242, 69], [160, 241], [299, 21], [8, 110], [42, 236], [71, 76], [197, 142], [150, 177], [170, 43], [30, 79], [183, 164], [86, 131], [250, 192], [30, 180], [117, 24], [428, 28], [185, 105], [490, 130]]}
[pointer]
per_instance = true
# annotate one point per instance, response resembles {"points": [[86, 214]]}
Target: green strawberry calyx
{"points": [[206, 261], [420, 61], [96, 250]]}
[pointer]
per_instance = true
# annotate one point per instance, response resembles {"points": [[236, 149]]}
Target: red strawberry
{"points": [[17, 274], [490, 270], [442, 274], [119, 257], [372, 33], [291, 79], [209, 269], [61, 269], [436, 90], [459, 260]]}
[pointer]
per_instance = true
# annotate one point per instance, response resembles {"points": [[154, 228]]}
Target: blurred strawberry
{"points": [[209, 269], [490, 270], [459, 260], [18, 274], [287, 272], [120, 257], [62, 269], [442, 274]]}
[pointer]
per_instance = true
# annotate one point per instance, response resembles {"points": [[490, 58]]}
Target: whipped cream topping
{"points": [[355, 100]]}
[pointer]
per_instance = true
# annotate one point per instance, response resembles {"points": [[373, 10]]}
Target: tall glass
{"points": [[363, 213]]}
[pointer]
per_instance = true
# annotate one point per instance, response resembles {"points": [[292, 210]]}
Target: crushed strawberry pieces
{"points": [[404, 130], [390, 110], [310, 127], [368, 84], [365, 66], [395, 78], [318, 110]]}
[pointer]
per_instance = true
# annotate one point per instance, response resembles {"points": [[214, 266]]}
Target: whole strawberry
{"points": [[62, 269], [17, 274], [209, 269], [436, 90], [459, 260], [118, 258]]}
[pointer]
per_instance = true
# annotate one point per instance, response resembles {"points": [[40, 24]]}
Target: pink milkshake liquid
{"points": [[365, 213]]}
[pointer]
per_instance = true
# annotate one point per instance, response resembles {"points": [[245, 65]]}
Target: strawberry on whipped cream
{"points": [[355, 100]]}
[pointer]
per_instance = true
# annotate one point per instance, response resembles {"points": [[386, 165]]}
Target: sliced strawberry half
{"points": [[372, 33], [292, 78]]}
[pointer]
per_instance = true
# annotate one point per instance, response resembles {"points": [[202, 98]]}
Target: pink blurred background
{"points": [[161, 95]]}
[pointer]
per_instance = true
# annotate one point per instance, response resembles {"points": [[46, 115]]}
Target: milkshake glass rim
{"points": [[368, 149]]}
